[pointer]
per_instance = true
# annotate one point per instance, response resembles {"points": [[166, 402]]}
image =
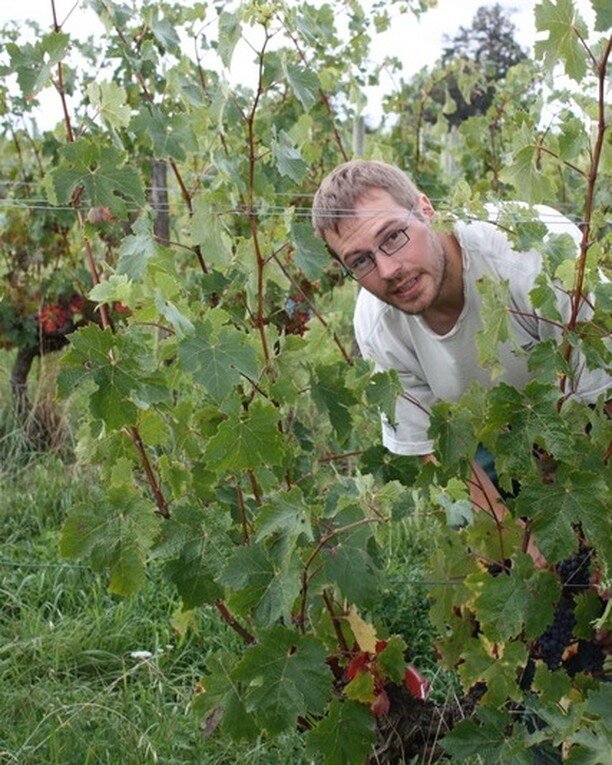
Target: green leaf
{"points": [[170, 136], [34, 63], [137, 249], [247, 442], [506, 604], [259, 585], [534, 420], [391, 659], [287, 158], [494, 311], [220, 692], [361, 688], [452, 427], [591, 746], [588, 609], [229, 34], [603, 15], [193, 571], [101, 171], [305, 84], [109, 98], [331, 395], [345, 736], [565, 27], [544, 298], [218, 360], [523, 172], [116, 532], [382, 391], [498, 672], [208, 231], [285, 677], [470, 739], [115, 367], [311, 256], [576, 497]]}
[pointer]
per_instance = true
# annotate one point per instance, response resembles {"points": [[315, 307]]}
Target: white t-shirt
{"points": [[434, 367]]}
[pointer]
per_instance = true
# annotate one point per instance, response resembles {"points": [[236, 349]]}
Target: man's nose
{"points": [[388, 265]]}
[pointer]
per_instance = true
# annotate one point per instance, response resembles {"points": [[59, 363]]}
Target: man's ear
{"points": [[426, 206]]}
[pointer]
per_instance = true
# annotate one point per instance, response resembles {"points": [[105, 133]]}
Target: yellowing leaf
{"points": [[365, 633]]}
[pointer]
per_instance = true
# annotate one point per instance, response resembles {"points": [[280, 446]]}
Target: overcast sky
{"points": [[416, 42]]}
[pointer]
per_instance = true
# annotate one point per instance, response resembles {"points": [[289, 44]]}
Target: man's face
{"points": [[411, 279]]}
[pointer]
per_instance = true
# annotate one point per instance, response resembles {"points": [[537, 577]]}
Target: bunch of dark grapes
{"points": [[589, 657], [555, 639], [574, 571]]}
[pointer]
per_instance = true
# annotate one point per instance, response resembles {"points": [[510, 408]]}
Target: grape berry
{"points": [[558, 636]]}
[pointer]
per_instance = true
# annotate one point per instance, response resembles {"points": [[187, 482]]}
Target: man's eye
{"points": [[357, 262], [393, 237]]}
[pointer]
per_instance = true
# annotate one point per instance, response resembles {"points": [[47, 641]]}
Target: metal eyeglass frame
{"points": [[371, 256]]}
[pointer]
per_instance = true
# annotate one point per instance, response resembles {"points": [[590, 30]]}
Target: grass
{"points": [[73, 691]]}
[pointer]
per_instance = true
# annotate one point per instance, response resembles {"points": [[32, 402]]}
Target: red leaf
{"points": [[356, 663], [380, 646], [416, 685], [381, 704]]}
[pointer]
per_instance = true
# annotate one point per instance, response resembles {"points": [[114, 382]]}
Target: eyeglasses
{"points": [[363, 263]]}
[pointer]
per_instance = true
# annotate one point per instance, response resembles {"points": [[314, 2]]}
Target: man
{"points": [[419, 309]]}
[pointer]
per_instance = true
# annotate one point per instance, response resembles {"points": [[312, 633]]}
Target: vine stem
{"points": [[329, 604], [229, 618], [322, 93], [577, 297], [320, 545], [186, 194], [154, 483], [243, 516]]}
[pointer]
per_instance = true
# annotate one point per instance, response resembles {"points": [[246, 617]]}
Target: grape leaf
{"points": [[260, 586], [331, 395], [229, 34], [603, 15], [34, 63], [109, 98], [507, 603], [305, 84], [495, 302], [471, 739], [452, 427], [137, 249], [217, 360], [575, 497], [170, 136], [243, 443], [208, 232], [391, 659], [499, 672], [591, 746], [116, 532], [288, 159], [101, 171], [523, 173], [565, 27], [114, 365], [361, 688], [345, 735], [285, 676], [311, 256], [220, 692]]}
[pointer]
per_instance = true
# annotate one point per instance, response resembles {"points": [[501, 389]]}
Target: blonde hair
{"points": [[349, 182]]}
